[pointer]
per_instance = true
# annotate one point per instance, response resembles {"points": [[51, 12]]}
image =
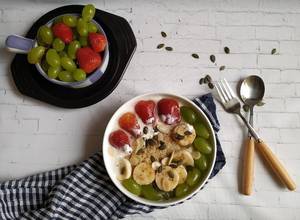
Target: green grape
{"points": [[58, 44], [68, 64], [83, 41], [45, 34], [63, 54], [79, 75], [150, 193], [52, 58], [35, 54], [201, 130], [132, 186], [92, 27], [188, 114], [65, 76], [58, 20], [70, 20], [202, 145], [53, 72], [193, 176], [82, 27], [88, 12], [72, 49], [181, 190], [201, 163], [44, 65]]}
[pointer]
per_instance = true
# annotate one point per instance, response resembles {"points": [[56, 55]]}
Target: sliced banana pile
{"points": [[183, 157], [143, 174], [167, 179], [184, 134]]}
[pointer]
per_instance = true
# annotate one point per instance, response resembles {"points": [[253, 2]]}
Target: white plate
{"points": [[110, 156]]}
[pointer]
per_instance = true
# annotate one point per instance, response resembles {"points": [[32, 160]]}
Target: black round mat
{"points": [[122, 44]]}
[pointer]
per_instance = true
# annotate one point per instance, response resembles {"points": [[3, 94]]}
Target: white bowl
{"points": [[112, 125]]}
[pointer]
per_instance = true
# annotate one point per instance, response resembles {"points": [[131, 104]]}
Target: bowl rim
{"points": [[102, 68], [138, 198]]}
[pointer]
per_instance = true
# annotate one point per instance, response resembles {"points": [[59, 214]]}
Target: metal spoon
{"points": [[252, 91]]}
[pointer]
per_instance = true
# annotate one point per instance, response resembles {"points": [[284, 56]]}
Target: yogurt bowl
{"points": [[19, 44], [159, 149]]}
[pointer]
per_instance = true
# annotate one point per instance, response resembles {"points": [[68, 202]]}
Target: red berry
{"points": [[129, 123], [97, 41], [118, 139], [63, 32], [88, 59], [145, 110], [169, 111]]}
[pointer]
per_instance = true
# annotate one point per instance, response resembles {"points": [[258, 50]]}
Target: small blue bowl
{"points": [[19, 44]]}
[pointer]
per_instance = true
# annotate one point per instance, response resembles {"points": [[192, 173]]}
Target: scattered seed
{"points": [[159, 169], [273, 51], [173, 165], [150, 142], [212, 58], [159, 46], [152, 158], [162, 147], [171, 174], [179, 136], [163, 34], [177, 161], [145, 130], [261, 103], [205, 80], [246, 107], [211, 85], [155, 129], [140, 151], [196, 56], [208, 78], [226, 50], [222, 68], [169, 48], [188, 133], [201, 81]]}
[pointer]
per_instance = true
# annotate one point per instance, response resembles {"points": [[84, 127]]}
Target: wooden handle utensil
{"points": [[248, 167]]}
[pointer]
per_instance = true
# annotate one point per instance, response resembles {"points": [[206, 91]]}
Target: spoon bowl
{"points": [[252, 90]]}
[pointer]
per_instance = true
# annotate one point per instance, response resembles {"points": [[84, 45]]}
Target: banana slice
{"points": [[143, 174], [184, 134], [124, 168], [167, 179], [184, 157], [182, 173]]}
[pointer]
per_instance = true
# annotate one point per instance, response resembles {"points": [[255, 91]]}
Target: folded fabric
{"points": [[82, 191]]}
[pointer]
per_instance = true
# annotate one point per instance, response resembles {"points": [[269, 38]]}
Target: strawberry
{"points": [[129, 123], [145, 110], [63, 32], [169, 111], [88, 59], [118, 139], [97, 41]]}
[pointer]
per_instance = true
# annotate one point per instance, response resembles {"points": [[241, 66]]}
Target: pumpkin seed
{"points": [[208, 78], [140, 151], [196, 56], [222, 68], [169, 48], [211, 85], [162, 145], [179, 136], [159, 169], [246, 107], [201, 81], [152, 158], [150, 142], [188, 133], [205, 80], [226, 50], [273, 51], [145, 130], [173, 165], [159, 46], [212, 58], [155, 129], [163, 34]]}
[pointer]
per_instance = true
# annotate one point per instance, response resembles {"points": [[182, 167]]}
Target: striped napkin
{"points": [[82, 191]]}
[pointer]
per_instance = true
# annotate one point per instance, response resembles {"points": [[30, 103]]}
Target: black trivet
{"points": [[122, 44]]}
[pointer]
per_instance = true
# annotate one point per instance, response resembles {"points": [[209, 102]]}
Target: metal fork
{"points": [[232, 105]]}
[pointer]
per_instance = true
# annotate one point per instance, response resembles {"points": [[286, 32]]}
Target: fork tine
{"points": [[222, 92], [229, 89], [219, 93], [226, 90]]}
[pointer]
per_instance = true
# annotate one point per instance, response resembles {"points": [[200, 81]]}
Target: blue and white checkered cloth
{"points": [[82, 191]]}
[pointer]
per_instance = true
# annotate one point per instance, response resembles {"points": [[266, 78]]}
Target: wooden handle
{"points": [[275, 165], [248, 168]]}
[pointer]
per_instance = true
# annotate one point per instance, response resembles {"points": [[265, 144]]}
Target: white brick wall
{"points": [[35, 136]]}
